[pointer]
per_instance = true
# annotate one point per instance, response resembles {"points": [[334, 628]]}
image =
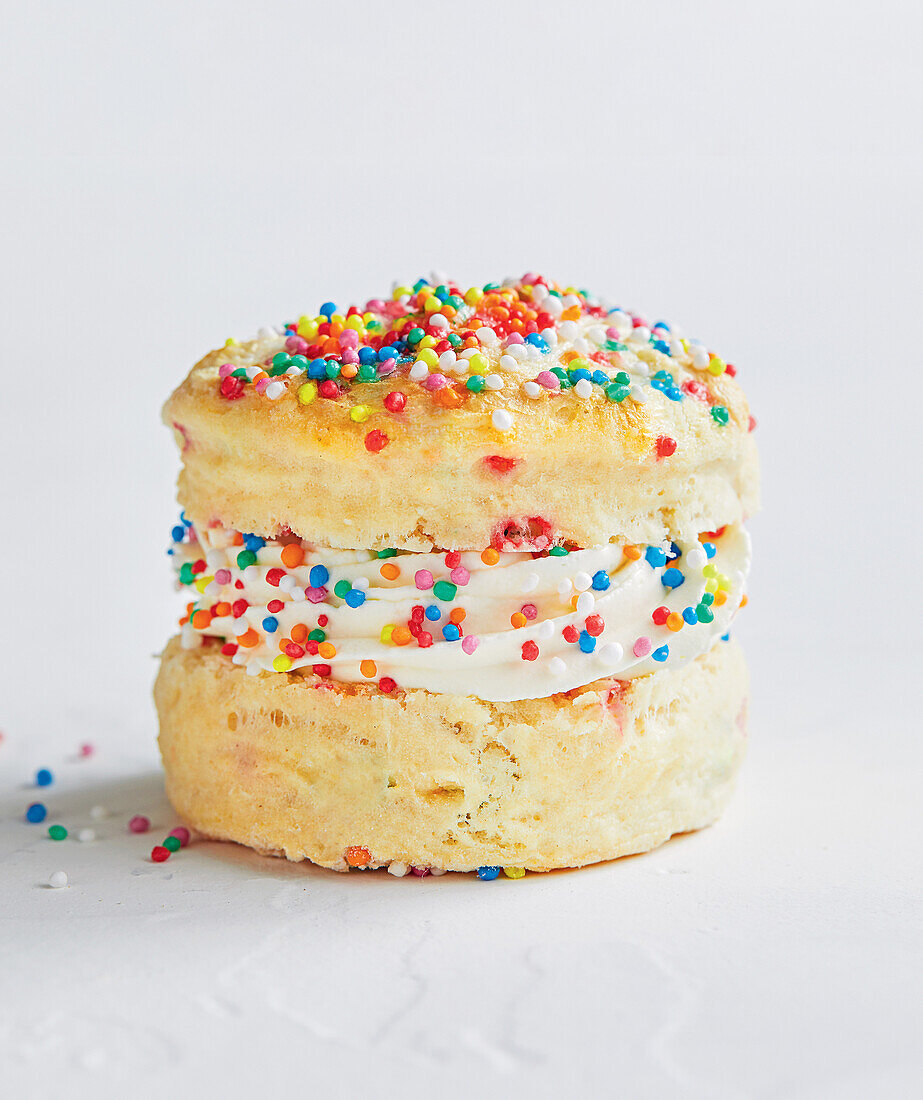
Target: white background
{"points": [[176, 173]]}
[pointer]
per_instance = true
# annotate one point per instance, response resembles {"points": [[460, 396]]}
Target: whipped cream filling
{"points": [[513, 626]]}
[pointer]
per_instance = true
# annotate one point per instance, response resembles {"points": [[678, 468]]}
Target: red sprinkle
{"points": [[229, 649], [321, 670], [424, 639], [660, 615], [159, 854], [730, 369], [594, 625], [499, 464], [274, 576], [322, 620], [182, 835], [452, 559], [238, 607], [752, 424], [139, 824], [386, 684], [232, 388], [376, 441], [395, 401], [529, 651], [665, 446], [570, 634], [329, 389], [274, 605]]}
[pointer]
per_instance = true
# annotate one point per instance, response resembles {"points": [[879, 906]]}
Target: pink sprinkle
{"points": [[420, 872], [529, 610], [225, 369], [642, 647], [182, 835], [349, 355], [435, 382], [423, 579], [262, 384], [459, 575], [612, 333], [470, 643], [548, 380], [223, 576], [514, 338], [389, 366], [349, 338], [315, 595], [139, 824], [86, 749], [296, 345], [374, 305]]}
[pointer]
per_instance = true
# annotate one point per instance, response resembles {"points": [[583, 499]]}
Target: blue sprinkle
{"points": [[709, 548], [587, 642], [662, 653], [655, 557], [185, 522], [270, 624], [43, 778], [674, 552], [328, 309], [317, 368], [601, 580], [254, 543], [672, 578], [178, 533], [661, 324], [690, 616], [538, 341], [450, 632], [387, 353], [600, 378], [674, 394], [488, 874], [663, 376], [658, 384], [355, 597], [660, 346], [36, 813], [367, 355], [725, 637], [578, 374], [319, 576], [433, 613]]}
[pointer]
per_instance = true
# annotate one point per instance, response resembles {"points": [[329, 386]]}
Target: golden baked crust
{"points": [[586, 469], [310, 769]]}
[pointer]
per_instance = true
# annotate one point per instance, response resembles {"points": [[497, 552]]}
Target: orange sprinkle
{"points": [[299, 633], [448, 398], [518, 620], [720, 597], [327, 649], [292, 555], [184, 620], [490, 556], [358, 857], [573, 602], [390, 571], [674, 621], [572, 313], [744, 600], [570, 356], [401, 635], [631, 552], [368, 668], [349, 370], [331, 344], [249, 640], [222, 609], [457, 615], [201, 619], [238, 539], [283, 642], [335, 329]]}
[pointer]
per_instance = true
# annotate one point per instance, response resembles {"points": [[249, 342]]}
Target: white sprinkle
{"points": [[418, 371], [287, 583], [570, 300], [550, 336], [582, 581], [501, 420], [240, 627], [539, 292], [567, 330], [584, 388], [361, 582], [252, 372], [437, 871], [239, 658], [293, 370], [86, 835], [611, 653], [564, 589], [467, 353], [188, 637], [696, 557], [582, 346], [640, 335], [516, 351], [532, 389], [253, 669], [530, 583], [493, 382], [252, 574], [487, 336], [637, 393], [215, 559], [509, 362], [398, 869], [585, 603], [553, 305], [266, 333], [97, 813], [297, 595], [437, 320], [557, 667], [620, 320], [676, 349], [699, 356], [546, 630], [58, 880], [448, 361], [597, 334]]}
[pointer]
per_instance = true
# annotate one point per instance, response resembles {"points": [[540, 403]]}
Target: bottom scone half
{"points": [[347, 775]]}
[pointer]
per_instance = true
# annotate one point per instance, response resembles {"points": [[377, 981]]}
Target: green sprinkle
{"points": [[172, 844], [389, 553], [415, 336], [445, 590], [719, 414], [475, 383], [186, 574], [558, 552], [704, 613], [614, 345], [239, 373], [341, 588], [708, 599], [274, 371], [317, 635], [245, 558], [332, 369], [57, 832], [455, 340], [367, 373], [618, 393], [622, 379], [280, 359]]}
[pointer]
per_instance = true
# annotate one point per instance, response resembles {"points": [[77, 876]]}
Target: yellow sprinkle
{"points": [[432, 304], [337, 319], [711, 585], [203, 582], [400, 291], [368, 318], [354, 322], [360, 413], [230, 342], [723, 581], [307, 393], [474, 295], [427, 342], [716, 366], [429, 357], [307, 328], [478, 364], [710, 570], [282, 663], [514, 872], [386, 632]]}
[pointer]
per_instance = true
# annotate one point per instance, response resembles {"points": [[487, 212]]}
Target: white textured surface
{"points": [[748, 173]]}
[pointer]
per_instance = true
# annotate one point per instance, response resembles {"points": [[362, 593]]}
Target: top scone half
{"points": [[368, 451]]}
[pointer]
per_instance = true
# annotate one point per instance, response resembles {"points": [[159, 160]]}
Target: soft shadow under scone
{"points": [[459, 607]]}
